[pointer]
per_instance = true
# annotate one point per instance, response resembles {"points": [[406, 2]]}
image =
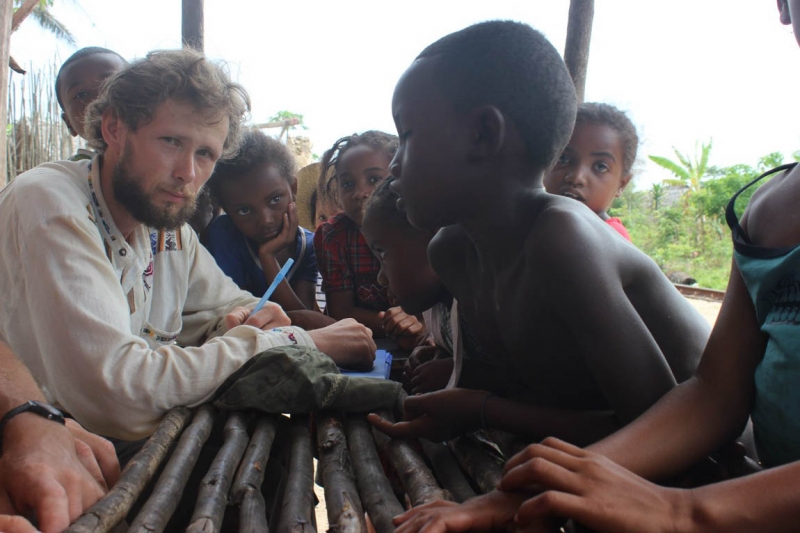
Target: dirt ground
{"points": [[708, 309]]}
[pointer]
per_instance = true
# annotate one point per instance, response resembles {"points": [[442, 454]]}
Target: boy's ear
{"points": [[623, 182], [487, 132], [293, 186], [67, 123]]}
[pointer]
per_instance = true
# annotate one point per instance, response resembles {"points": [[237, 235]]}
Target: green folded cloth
{"points": [[300, 379]]}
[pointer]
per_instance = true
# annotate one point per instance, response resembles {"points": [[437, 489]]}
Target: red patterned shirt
{"points": [[347, 264]]}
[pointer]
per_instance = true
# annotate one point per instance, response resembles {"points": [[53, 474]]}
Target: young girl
{"points": [[750, 367], [259, 231], [595, 167], [348, 267]]}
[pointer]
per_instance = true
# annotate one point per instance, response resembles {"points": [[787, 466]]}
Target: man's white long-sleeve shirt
{"points": [[114, 330]]}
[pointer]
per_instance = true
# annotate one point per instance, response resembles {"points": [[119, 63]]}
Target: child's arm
{"points": [[341, 304], [445, 414]]}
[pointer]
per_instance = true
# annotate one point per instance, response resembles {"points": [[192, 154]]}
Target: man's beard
{"points": [[130, 194]]}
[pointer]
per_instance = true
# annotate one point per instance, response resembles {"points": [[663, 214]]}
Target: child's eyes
{"points": [[275, 200], [602, 167], [242, 211], [345, 185], [376, 179], [563, 159], [83, 95]]}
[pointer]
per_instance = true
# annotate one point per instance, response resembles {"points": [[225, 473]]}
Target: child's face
{"points": [[257, 202], [324, 210], [405, 270], [359, 171], [590, 168], [80, 85], [433, 185]]}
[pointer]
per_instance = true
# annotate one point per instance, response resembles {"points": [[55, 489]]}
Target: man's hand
{"points": [[16, 524], [404, 329], [286, 238], [270, 316], [53, 471], [490, 512], [437, 416], [591, 489], [348, 343]]}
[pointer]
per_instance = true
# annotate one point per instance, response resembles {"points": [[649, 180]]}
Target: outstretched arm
{"points": [[48, 469]]}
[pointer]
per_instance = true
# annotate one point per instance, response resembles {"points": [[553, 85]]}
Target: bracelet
{"points": [[483, 409]]}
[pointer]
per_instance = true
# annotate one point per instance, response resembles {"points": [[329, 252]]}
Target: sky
{"points": [[686, 71]]}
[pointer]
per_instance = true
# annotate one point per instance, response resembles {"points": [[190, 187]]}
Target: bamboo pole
{"points": [[415, 476], [579, 38], [345, 512], [192, 24], [297, 509], [115, 505], [484, 468], [213, 496], [6, 9], [375, 489], [162, 502], [447, 470], [246, 488]]}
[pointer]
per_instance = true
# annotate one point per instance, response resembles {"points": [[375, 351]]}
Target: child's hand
{"points": [[285, 238], [404, 329], [490, 512], [437, 416], [431, 376], [591, 489], [421, 354]]}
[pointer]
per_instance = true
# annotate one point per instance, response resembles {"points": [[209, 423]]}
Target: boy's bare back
{"points": [[585, 319]]}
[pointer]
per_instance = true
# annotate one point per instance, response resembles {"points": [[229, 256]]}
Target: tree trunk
{"points": [[579, 38], [5, 39], [192, 24]]}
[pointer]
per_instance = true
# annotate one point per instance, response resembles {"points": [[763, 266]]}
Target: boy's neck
{"points": [[507, 219]]}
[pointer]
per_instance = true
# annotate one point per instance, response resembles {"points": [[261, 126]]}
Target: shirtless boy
{"points": [[588, 323]]}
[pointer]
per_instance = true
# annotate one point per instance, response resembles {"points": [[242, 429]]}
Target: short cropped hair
{"points": [[83, 52], [379, 141], [187, 76], [255, 149], [617, 120], [515, 68], [383, 205]]}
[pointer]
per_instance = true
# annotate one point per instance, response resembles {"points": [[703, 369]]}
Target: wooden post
{"points": [[579, 38], [6, 13], [192, 24]]}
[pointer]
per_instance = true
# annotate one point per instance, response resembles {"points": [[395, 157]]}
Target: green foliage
{"points": [[42, 15], [281, 116], [691, 235]]}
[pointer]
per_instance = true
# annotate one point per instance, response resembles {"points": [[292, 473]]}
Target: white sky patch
{"points": [[685, 70]]}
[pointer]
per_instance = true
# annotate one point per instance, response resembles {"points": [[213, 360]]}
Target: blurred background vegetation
{"points": [[680, 222]]}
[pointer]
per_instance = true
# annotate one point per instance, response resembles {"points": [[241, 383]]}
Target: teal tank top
{"points": [[772, 277]]}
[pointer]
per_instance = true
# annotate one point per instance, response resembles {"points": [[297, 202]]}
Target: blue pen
{"points": [[274, 285]]}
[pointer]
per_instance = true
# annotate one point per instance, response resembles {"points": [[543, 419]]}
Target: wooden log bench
{"points": [[352, 461]]}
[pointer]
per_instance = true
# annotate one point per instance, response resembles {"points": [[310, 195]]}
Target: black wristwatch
{"points": [[40, 408]]}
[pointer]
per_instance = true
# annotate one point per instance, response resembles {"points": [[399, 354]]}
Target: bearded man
{"points": [[108, 298]]}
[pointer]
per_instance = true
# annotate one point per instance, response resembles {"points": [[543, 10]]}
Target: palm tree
{"points": [[689, 172]]}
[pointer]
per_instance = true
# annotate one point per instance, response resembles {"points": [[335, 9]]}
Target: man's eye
{"points": [[242, 211]]}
